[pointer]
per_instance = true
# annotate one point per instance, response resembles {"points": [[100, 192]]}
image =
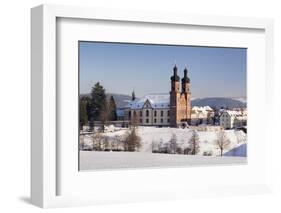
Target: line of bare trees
{"points": [[130, 142], [172, 147]]}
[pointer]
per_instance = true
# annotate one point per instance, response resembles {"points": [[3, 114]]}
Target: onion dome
{"points": [[185, 79], [175, 77]]}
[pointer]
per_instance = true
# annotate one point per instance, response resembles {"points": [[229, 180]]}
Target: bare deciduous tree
{"points": [[194, 143], [82, 143], [104, 114], [117, 143], [132, 142], [135, 120], [97, 141], [107, 143], [222, 142], [173, 144], [154, 146], [160, 145]]}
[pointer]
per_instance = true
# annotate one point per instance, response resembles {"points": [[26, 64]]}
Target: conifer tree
{"points": [[104, 115], [98, 101], [83, 117], [112, 108]]}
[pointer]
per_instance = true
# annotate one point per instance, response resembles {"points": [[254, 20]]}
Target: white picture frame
{"points": [[45, 154]]}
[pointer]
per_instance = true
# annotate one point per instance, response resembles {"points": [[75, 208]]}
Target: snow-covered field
{"points": [[90, 160], [155, 135], [235, 154]]}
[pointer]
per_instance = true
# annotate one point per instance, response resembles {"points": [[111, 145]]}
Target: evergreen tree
{"points": [[83, 117], [112, 108], [98, 101], [87, 101], [104, 114]]}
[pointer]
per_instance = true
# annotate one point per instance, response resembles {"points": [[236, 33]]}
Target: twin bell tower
{"points": [[180, 99]]}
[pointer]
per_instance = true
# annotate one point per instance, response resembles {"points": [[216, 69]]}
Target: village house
{"points": [[202, 115], [233, 119]]}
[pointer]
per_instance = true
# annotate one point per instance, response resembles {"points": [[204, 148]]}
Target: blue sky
{"points": [[120, 68]]}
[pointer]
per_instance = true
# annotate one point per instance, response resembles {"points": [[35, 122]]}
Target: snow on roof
{"points": [[159, 101], [195, 108], [156, 101], [232, 112], [208, 108], [202, 109]]}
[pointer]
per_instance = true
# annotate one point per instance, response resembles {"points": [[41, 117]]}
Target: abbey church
{"points": [[173, 109]]}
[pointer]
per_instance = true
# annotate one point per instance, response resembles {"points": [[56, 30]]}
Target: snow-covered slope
{"points": [[219, 102], [242, 99], [238, 151], [120, 160]]}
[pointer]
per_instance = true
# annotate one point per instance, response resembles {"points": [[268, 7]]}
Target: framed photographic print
{"points": [[143, 104], [121, 129]]}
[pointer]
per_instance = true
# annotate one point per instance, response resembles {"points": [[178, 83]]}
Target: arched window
{"points": [[147, 113], [155, 113], [162, 113], [168, 112], [140, 113]]}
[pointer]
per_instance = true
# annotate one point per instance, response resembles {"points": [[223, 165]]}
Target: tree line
{"points": [[96, 107], [130, 141], [172, 147]]}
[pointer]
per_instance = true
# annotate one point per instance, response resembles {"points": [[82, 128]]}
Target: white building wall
{"points": [[226, 121], [151, 120]]}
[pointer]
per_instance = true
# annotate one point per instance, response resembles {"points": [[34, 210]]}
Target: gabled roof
{"points": [[202, 109], [157, 101], [208, 108], [232, 113]]}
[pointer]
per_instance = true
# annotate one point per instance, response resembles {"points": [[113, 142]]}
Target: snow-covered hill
{"points": [[238, 151], [218, 102]]}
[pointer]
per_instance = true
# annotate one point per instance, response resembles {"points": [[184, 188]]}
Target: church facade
{"points": [[171, 109]]}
